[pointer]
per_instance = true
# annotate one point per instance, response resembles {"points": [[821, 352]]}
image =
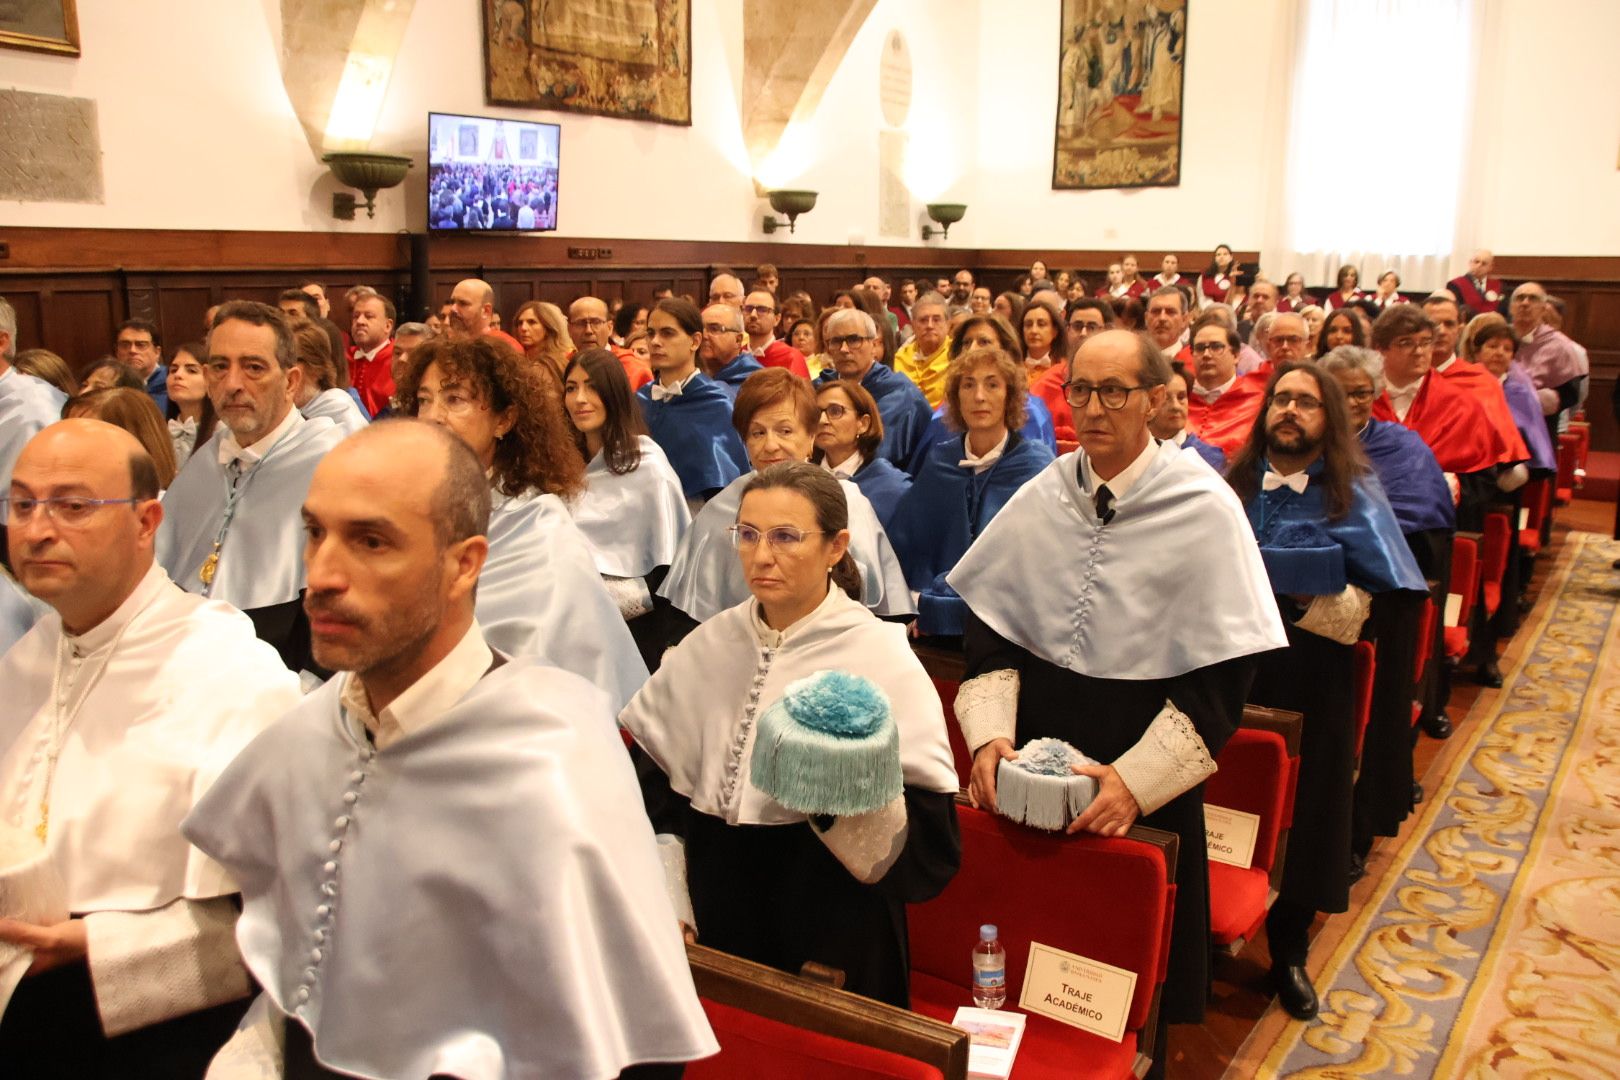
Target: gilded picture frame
{"points": [[630, 59], [47, 26], [1121, 75]]}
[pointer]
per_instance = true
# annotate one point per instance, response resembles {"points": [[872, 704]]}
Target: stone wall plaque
{"points": [[894, 79], [52, 148]]}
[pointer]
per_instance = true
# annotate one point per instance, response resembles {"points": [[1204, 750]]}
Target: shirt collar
{"points": [[425, 700], [1208, 396], [372, 355], [772, 639], [1127, 477], [1401, 397], [230, 450], [847, 468], [1452, 359], [1180, 437], [980, 464], [660, 392], [101, 634]]}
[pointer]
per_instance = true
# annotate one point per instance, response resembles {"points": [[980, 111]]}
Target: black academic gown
{"points": [[1106, 717], [774, 894], [51, 1030]]}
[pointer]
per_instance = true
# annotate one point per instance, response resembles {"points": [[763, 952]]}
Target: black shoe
{"points": [[1436, 725], [1417, 793], [1489, 675], [1294, 991], [1358, 866]]}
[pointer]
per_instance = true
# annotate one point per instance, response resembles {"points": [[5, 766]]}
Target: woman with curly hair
{"points": [[965, 480], [539, 593]]}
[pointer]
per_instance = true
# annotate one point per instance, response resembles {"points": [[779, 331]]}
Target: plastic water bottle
{"points": [[989, 970]]}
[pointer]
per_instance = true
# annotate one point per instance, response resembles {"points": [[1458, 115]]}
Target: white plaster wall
{"points": [[1548, 166]]}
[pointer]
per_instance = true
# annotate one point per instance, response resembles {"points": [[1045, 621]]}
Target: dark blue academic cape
{"points": [[734, 374], [694, 431], [883, 485], [1520, 392], [946, 509], [905, 414], [1410, 476], [1037, 428], [1376, 557], [1210, 453]]}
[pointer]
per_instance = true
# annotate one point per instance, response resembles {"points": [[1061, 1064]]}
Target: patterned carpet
{"points": [[1492, 946]]}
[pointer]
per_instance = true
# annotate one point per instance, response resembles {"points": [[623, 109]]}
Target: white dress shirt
{"points": [[425, 700], [230, 450], [980, 464], [1208, 396], [1401, 397], [846, 469], [1121, 482]]}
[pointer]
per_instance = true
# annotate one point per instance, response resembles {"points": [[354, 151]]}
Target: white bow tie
{"points": [[660, 392], [1295, 482]]}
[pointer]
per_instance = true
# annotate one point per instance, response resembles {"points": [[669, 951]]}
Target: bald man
{"points": [[471, 312], [120, 706], [1477, 290], [726, 289], [554, 949]]}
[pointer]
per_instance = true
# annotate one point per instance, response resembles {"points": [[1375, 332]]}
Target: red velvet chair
{"points": [[1465, 571], [1569, 453], [1106, 899], [945, 669], [1421, 660], [1258, 771], [773, 1025], [1537, 503], [1493, 559]]}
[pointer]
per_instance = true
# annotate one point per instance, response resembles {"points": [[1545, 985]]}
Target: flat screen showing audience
{"points": [[498, 175]]}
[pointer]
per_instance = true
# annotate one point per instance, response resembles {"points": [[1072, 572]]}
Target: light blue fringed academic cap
{"points": [[1038, 788], [829, 746]]}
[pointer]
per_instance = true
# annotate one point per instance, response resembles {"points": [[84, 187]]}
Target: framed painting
{"points": [[50, 26], [630, 59], [1120, 72]]}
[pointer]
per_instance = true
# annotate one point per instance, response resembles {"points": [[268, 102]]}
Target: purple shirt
{"points": [[1550, 358]]}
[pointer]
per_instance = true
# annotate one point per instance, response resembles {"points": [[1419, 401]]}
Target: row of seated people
{"points": [[544, 592]]}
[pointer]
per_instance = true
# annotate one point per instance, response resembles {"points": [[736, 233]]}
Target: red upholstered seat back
{"points": [[754, 1047], [1465, 575], [1105, 899], [1493, 553], [1366, 661], [947, 688], [1254, 774]]}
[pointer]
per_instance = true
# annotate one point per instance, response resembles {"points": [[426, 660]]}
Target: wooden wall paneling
{"points": [[80, 319], [26, 300], [180, 310]]}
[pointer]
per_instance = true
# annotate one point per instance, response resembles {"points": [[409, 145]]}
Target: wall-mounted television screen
{"points": [[495, 175]]}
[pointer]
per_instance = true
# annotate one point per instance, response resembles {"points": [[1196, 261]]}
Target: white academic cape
{"points": [[187, 686], [706, 577], [483, 898], [540, 595], [27, 405], [634, 521], [696, 717], [337, 406], [261, 563], [1178, 554]]}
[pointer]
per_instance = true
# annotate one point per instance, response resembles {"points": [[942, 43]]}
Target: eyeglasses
{"points": [[836, 411], [1302, 402], [589, 324], [1413, 343], [1285, 339], [1359, 396], [757, 309], [1112, 397], [716, 328], [65, 510], [1209, 347], [453, 403], [781, 538], [847, 341]]}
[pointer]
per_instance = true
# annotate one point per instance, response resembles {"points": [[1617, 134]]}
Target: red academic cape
{"points": [[635, 369], [1226, 421], [1048, 386], [1487, 390], [1288, 303], [781, 354], [1337, 300], [1138, 287], [1478, 303], [1215, 289], [373, 379], [1452, 422]]}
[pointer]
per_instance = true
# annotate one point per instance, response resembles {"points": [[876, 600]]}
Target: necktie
{"points": [[1295, 482], [1105, 504]]}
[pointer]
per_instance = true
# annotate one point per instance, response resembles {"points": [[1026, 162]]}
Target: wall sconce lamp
{"points": [[791, 203], [946, 214], [370, 173]]}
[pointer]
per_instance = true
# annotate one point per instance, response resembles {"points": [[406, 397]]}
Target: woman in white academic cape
{"points": [[765, 882]]}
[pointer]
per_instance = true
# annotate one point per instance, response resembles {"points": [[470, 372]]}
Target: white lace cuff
{"points": [[629, 594], [868, 844], [257, 1049], [672, 851], [987, 708], [149, 966], [1170, 758], [1338, 617]]}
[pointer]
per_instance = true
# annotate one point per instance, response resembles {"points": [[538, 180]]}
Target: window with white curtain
{"points": [[1378, 133]]}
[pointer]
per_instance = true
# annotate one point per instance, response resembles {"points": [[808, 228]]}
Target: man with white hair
{"points": [[1477, 290], [925, 357], [850, 344]]}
